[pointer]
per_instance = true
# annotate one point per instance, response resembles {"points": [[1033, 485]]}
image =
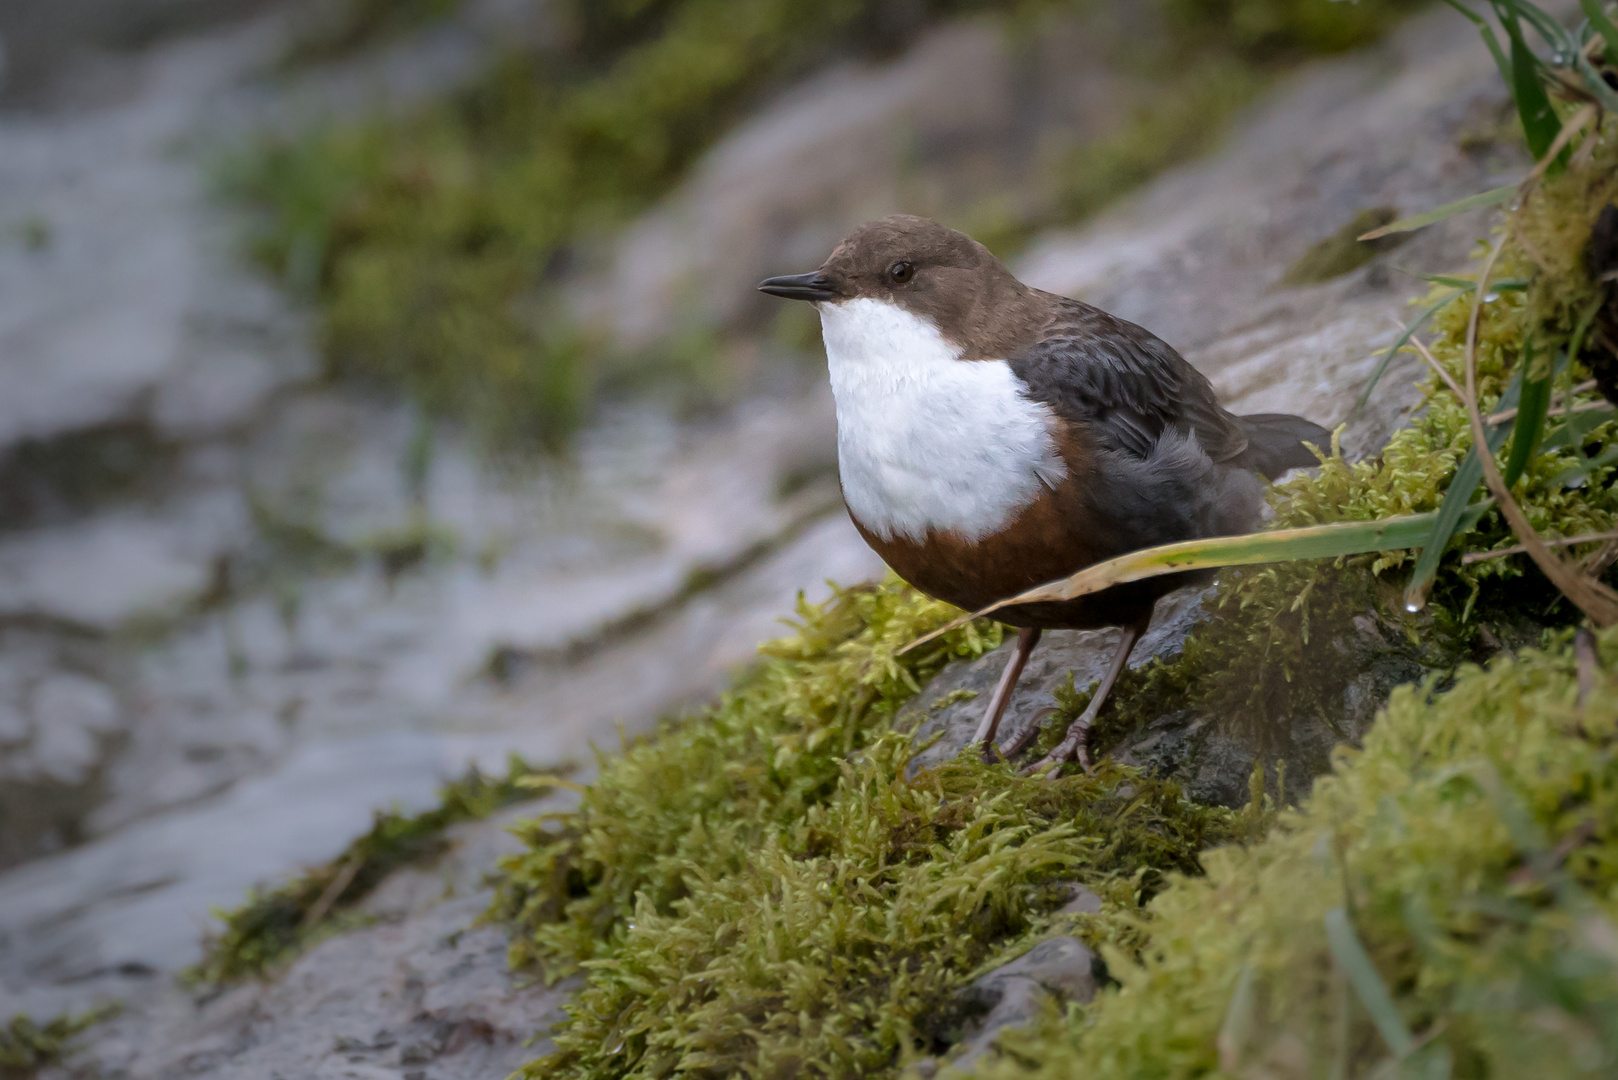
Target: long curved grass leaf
{"points": [[1250, 549], [1466, 284], [1595, 84], [1541, 20], [1535, 399], [1603, 26], [1539, 122], [1492, 197], [1468, 475], [1367, 982]]}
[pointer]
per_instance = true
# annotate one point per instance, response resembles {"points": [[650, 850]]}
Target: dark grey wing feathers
{"points": [[1126, 386]]}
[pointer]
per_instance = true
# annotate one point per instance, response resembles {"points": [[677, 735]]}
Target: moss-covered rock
{"points": [[760, 889], [1446, 898]]}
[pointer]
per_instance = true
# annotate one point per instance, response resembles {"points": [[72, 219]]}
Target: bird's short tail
{"points": [[1275, 443]]}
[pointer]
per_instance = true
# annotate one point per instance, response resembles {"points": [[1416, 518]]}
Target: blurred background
{"points": [[383, 387]]}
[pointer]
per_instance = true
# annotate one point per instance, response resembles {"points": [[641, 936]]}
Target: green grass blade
{"points": [[1367, 982], [1585, 466], [1492, 197], [1531, 408], [1603, 26], [1466, 284], [1251, 549], [1541, 21], [1489, 39], [1539, 122], [1456, 504], [1597, 86], [1280, 545], [1572, 431], [1404, 339]]}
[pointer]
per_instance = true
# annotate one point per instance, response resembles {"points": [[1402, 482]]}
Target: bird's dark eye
{"points": [[901, 272]]}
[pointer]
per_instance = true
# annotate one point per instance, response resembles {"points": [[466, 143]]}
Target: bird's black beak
{"points": [[811, 286]]}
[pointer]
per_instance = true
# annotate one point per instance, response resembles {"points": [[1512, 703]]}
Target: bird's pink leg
{"points": [[1027, 638], [1076, 746]]}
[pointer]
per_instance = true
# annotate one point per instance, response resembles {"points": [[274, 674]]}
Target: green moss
{"points": [[1344, 251], [27, 1047], [1473, 845], [710, 788], [759, 890], [346, 27], [1262, 29], [277, 924]]}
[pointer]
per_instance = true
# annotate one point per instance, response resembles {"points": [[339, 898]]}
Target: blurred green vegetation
{"points": [[27, 1047], [1272, 29], [337, 30], [429, 241]]}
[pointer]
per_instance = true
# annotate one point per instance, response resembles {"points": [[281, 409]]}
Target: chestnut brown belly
{"points": [[1051, 538]]}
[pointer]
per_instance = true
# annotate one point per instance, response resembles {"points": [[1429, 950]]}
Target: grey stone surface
{"points": [[1210, 756], [944, 715], [1012, 995], [420, 989], [962, 116]]}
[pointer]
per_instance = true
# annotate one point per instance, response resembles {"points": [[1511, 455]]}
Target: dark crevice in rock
{"points": [[65, 476]]}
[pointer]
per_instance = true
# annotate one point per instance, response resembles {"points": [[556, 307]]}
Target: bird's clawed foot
{"points": [[1027, 638], [1074, 747]]}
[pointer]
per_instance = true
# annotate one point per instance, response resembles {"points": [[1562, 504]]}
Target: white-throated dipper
{"points": [[992, 437]]}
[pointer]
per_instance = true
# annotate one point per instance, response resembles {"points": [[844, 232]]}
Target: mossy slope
{"points": [[1472, 846], [759, 890]]}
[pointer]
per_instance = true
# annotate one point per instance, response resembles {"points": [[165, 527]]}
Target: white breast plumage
{"points": [[926, 440]]}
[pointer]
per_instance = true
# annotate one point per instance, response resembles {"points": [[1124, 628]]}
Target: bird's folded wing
{"points": [[1125, 386]]}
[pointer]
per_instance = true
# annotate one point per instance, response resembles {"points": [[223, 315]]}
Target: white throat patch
{"points": [[926, 440]]}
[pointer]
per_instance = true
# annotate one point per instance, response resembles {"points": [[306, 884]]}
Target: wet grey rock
{"points": [[1083, 902], [951, 706], [420, 988], [1063, 968], [1212, 757], [71, 713], [970, 105]]}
